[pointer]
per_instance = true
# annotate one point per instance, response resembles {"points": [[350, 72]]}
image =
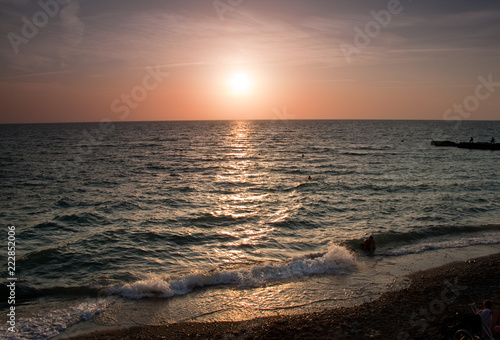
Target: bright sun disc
{"points": [[240, 83]]}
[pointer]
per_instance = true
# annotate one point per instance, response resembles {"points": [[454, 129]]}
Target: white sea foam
{"points": [[338, 260], [48, 325], [493, 238]]}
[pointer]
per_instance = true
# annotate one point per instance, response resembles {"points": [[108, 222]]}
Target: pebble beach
{"points": [[421, 311]]}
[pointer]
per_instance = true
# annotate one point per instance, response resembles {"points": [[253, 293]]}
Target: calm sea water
{"points": [[230, 220]]}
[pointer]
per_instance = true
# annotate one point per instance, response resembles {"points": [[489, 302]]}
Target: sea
{"points": [[145, 223]]}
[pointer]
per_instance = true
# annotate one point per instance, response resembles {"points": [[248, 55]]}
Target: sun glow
{"points": [[240, 83]]}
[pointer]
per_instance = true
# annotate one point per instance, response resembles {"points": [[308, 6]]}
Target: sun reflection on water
{"points": [[240, 198], [250, 209]]}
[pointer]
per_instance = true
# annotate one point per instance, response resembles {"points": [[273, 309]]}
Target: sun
{"points": [[240, 83]]}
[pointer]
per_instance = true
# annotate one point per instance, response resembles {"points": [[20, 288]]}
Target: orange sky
{"points": [[167, 61]]}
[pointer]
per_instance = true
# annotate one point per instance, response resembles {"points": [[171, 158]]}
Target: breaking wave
{"points": [[338, 260]]}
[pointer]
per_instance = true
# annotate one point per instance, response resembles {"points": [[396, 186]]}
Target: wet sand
{"points": [[420, 311]]}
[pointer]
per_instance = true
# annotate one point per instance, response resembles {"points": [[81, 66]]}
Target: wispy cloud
{"points": [[132, 38]]}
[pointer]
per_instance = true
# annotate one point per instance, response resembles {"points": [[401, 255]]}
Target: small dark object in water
{"points": [[369, 244]]}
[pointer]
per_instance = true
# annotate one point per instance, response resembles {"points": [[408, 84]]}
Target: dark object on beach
{"points": [[471, 140], [465, 327], [443, 143], [492, 140], [369, 244]]}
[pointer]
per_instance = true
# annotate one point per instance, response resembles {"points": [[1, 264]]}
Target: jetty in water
{"points": [[467, 145]]}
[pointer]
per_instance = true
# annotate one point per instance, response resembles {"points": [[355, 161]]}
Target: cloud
{"points": [[72, 25], [137, 37], [15, 2], [51, 39], [72, 30]]}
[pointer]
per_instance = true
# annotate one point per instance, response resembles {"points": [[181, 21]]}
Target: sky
{"points": [[123, 60]]}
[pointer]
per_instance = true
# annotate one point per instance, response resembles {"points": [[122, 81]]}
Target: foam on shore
{"points": [[486, 239], [338, 260]]}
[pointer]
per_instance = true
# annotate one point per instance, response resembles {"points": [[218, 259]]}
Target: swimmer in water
{"points": [[369, 244]]}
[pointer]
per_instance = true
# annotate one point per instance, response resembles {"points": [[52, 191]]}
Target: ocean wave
{"points": [[310, 183], [338, 260], [392, 237], [210, 219], [82, 218], [49, 226], [63, 203], [52, 323], [458, 243], [43, 255], [352, 153], [24, 291]]}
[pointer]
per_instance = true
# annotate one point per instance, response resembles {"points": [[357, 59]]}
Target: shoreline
{"points": [[415, 312]]}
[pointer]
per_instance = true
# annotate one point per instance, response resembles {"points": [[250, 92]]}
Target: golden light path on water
{"points": [[244, 171], [243, 174], [239, 174]]}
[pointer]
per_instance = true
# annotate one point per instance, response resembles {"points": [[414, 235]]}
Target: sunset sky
{"points": [[122, 60]]}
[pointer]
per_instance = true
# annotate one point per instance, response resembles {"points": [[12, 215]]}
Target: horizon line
{"points": [[250, 120]]}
